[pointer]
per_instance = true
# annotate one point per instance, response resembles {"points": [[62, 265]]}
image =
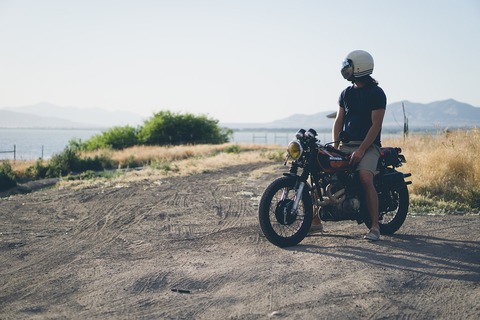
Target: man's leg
{"points": [[371, 198]]}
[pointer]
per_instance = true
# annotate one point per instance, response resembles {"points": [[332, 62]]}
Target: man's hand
{"points": [[356, 156]]}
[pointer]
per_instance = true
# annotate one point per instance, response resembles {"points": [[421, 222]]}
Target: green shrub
{"points": [[167, 128], [277, 155], [164, 128], [97, 163], [91, 175], [164, 165], [37, 171], [62, 163], [232, 149], [86, 175], [66, 162], [115, 138], [132, 163], [75, 144], [7, 176]]}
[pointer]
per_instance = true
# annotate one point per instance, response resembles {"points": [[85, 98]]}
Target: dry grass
{"points": [[445, 170], [145, 155], [182, 160], [445, 173], [20, 166]]}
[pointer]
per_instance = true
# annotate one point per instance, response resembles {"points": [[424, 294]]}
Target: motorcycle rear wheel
{"points": [[391, 221], [279, 227]]}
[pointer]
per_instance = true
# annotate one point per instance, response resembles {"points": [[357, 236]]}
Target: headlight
{"points": [[295, 149]]}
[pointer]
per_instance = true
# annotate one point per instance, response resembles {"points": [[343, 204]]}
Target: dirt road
{"points": [[190, 248]]}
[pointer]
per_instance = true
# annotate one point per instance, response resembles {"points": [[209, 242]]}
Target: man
{"points": [[360, 114]]}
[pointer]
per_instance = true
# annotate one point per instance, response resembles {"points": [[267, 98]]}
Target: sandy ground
{"points": [[191, 248]]}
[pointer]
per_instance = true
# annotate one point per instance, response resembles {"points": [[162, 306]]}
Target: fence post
{"points": [[14, 152], [254, 137], [277, 137]]}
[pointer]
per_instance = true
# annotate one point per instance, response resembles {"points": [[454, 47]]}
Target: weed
{"points": [[275, 155], [7, 176], [165, 166], [235, 148]]}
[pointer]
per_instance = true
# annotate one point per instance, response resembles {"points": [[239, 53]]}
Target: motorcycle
{"points": [[328, 186]]}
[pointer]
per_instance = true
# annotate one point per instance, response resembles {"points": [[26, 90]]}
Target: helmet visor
{"points": [[347, 69]]}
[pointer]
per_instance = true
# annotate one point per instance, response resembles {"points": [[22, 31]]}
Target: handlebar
{"points": [[332, 149]]}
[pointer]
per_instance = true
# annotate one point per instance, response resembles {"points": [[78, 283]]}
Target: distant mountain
{"points": [[10, 119], [440, 114], [93, 117], [447, 113], [295, 121]]}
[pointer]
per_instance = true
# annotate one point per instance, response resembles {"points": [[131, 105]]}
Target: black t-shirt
{"points": [[359, 104]]}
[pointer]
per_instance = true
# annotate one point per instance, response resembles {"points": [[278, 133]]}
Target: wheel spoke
{"points": [[285, 230], [280, 225]]}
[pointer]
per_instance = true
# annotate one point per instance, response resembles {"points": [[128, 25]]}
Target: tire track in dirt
{"points": [[190, 247], [35, 256], [193, 198], [76, 242]]}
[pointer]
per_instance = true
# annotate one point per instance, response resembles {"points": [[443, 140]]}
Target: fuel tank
{"points": [[331, 161]]}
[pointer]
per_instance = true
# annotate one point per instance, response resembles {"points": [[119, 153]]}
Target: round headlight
{"points": [[295, 149]]}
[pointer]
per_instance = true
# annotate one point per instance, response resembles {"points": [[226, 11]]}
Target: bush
{"points": [[97, 163], [131, 162], [67, 162], [87, 175], [278, 155], [116, 138], [164, 165], [37, 171], [164, 128], [167, 128], [63, 163], [232, 149], [7, 176]]}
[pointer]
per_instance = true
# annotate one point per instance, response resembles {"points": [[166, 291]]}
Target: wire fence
{"points": [[277, 138], [14, 151], [31, 150]]}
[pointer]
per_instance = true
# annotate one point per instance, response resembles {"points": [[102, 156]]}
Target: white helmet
{"points": [[357, 64]]}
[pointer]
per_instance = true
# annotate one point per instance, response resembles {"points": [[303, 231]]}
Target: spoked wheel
{"points": [[394, 211], [281, 225]]}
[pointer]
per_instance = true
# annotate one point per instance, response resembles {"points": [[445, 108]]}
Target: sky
{"points": [[234, 61]]}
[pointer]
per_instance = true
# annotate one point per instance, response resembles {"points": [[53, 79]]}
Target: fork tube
{"points": [[298, 196]]}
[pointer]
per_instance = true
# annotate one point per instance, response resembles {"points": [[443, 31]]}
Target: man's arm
{"points": [[377, 120], [338, 126]]}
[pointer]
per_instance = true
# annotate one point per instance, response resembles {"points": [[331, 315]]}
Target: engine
{"points": [[340, 201]]}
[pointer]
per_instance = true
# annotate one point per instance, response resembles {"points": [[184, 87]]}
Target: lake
{"points": [[31, 144]]}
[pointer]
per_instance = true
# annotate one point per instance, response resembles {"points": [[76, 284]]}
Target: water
{"points": [[31, 144], [271, 137]]}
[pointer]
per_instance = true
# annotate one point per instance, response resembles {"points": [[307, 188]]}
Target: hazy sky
{"points": [[236, 61]]}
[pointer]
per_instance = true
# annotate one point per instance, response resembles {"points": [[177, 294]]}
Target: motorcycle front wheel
{"points": [[282, 226]]}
